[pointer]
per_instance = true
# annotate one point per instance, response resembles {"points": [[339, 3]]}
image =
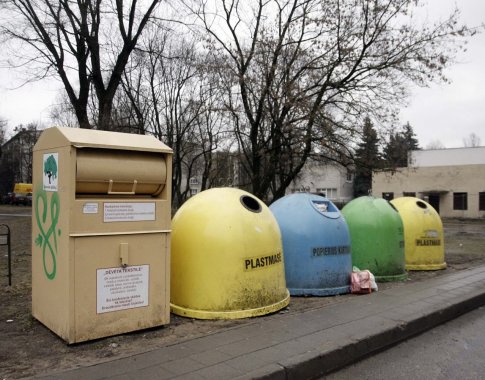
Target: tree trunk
{"points": [[104, 117], [82, 118]]}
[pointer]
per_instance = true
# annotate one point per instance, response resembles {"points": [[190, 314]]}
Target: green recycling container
{"points": [[377, 238]]}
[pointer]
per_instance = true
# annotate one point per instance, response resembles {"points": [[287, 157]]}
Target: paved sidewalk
{"points": [[307, 344]]}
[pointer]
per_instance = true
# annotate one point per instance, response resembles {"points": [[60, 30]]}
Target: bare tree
{"points": [[169, 93], [3, 130], [435, 144], [16, 158], [300, 74], [472, 140], [86, 44], [62, 113]]}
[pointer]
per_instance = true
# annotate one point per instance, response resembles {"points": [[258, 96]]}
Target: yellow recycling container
{"points": [[227, 257], [423, 234]]}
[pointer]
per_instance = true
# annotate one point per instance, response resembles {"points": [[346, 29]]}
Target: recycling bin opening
{"points": [[250, 203], [324, 206], [421, 204], [99, 171]]}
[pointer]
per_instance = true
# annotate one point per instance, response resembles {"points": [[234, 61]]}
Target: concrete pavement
{"points": [[304, 345]]}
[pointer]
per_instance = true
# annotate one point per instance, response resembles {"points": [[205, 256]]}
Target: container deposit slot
{"points": [[119, 173]]}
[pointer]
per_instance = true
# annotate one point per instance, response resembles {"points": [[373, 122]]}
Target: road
{"points": [[455, 350]]}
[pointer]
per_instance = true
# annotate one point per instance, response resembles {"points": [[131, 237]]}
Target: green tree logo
{"points": [[50, 167]]}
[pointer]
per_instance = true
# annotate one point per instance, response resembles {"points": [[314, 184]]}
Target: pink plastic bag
{"points": [[360, 282]]}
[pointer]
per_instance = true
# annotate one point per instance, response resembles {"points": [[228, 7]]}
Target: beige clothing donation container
{"points": [[100, 232]]}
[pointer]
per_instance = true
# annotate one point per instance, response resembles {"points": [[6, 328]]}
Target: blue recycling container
{"points": [[316, 245]]}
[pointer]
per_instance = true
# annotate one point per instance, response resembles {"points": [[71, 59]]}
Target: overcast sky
{"points": [[451, 112], [448, 112]]}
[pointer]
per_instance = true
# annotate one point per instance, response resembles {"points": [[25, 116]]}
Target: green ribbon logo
{"points": [[47, 239]]}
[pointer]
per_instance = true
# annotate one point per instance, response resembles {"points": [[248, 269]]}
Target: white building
{"points": [[451, 180], [332, 180]]}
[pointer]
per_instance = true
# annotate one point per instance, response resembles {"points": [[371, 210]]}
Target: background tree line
{"points": [[374, 153], [16, 155], [272, 82]]}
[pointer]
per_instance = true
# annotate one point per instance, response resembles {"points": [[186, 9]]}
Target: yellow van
{"points": [[22, 188], [22, 194]]}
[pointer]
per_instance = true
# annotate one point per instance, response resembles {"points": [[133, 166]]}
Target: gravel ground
{"points": [[28, 348]]}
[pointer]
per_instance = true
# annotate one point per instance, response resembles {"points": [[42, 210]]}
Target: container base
{"points": [[233, 314], [320, 292], [396, 277], [425, 266]]}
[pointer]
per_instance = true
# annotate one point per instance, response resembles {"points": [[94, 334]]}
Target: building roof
{"points": [[447, 157], [19, 135]]}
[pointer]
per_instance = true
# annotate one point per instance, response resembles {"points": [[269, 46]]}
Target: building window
{"points": [[409, 194], [481, 201], [388, 196], [193, 181], [193, 192], [349, 176], [330, 193], [460, 201]]}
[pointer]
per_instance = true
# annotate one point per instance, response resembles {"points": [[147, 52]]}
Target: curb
{"points": [[319, 363]]}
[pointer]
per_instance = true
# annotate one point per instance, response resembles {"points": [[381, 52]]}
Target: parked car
{"points": [[22, 199], [17, 199], [7, 199]]}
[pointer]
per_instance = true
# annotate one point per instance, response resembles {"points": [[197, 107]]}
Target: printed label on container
{"points": [[90, 208], [129, 212], [122, 288], [262, 261], [50, 169]]}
